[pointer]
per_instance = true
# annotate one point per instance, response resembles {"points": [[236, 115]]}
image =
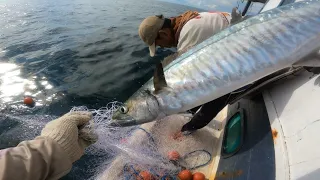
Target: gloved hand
{"points": [[65, 131]]}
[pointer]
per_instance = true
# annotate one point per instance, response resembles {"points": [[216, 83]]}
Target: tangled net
{"points": [[122, 152], [131, 150]]}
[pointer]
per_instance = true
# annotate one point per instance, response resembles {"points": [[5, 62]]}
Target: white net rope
{"points": [[121, 152], [131, 150]]}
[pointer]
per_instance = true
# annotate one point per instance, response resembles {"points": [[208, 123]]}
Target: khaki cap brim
{"points": [[152, 49]]}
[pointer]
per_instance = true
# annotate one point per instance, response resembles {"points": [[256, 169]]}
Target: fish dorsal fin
{"points": [[159, 81]]}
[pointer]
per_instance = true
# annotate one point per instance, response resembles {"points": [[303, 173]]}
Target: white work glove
{"points": [[65, 131]]}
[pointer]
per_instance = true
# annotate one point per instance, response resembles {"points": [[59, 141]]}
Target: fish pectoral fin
{"points": [[235, 16], [159, 81]]}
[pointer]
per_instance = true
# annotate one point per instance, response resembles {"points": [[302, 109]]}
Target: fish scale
{"points": [[231, 59], [276, 46]]}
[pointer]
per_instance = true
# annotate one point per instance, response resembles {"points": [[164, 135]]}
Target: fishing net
{"points": [[132, 150], [124, 152]]}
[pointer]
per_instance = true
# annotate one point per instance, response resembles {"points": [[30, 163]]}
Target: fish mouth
{"points": [[123, 121], [126, 120]]}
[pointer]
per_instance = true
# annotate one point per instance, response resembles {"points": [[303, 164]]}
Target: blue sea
{"points": [[67, 53]]}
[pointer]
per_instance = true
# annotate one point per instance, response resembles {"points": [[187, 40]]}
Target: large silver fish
{"points": [[229, 60]]}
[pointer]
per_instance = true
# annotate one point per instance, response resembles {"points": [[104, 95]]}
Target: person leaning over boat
{"points": [[183, 32], [50, 155]]}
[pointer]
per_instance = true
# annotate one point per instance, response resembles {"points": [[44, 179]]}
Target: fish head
{"points": [[141, 108]]}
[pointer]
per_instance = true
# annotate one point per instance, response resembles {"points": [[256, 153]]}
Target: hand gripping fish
{"points": [[229, 60]]}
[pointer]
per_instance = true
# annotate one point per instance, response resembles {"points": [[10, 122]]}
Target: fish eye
{"points": [[123, 109]]}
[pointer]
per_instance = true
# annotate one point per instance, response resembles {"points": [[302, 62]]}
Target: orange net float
{"points": [[28, 101], [173, 155]]}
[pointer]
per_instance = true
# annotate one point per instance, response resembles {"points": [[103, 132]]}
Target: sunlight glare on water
{"points": [[13, 85]]}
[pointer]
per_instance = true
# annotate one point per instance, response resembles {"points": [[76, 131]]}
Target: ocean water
{"points": [[74, 52]]}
